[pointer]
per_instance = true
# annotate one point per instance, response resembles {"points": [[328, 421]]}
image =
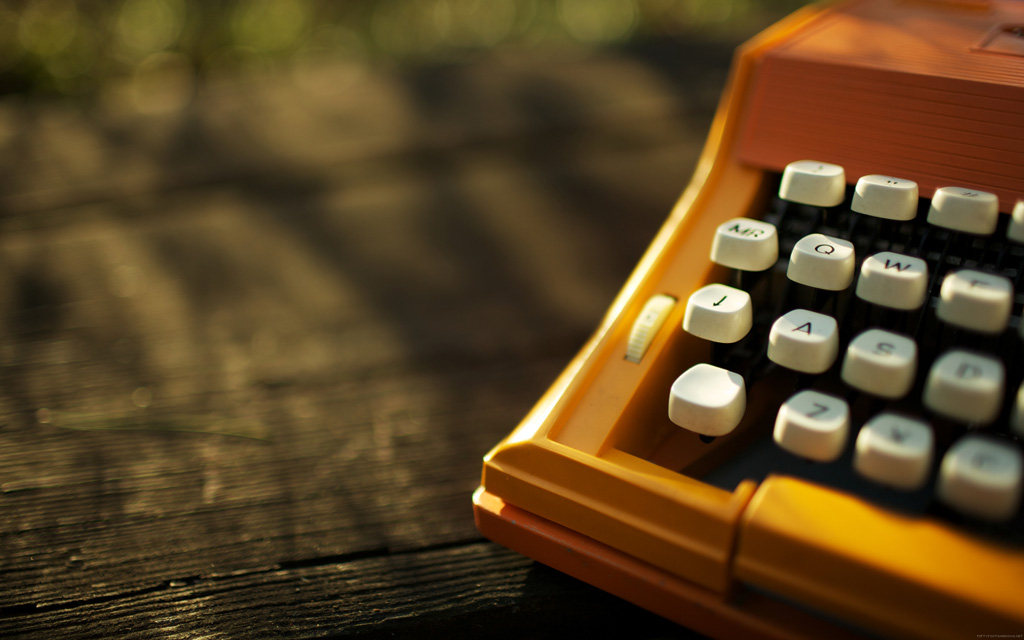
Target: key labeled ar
{"points": [[745, 244]]}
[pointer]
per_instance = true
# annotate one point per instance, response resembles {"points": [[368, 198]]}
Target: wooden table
{"points": [[257, 335]]}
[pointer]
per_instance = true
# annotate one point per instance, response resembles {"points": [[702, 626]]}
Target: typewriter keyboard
{"points": [[897, 319]]}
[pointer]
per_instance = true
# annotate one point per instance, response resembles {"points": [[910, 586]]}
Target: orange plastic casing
{"points": [[597, 481]]}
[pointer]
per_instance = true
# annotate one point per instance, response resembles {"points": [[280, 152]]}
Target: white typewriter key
{"points": [[962, 209], [745, 244], [815, 183], [647, 324], [885, 197], [965, 386], [881, 363], [822, 262], [894, 451], [893, 280], [982, 477], [976, 300], [719, 313], [804, 341], [1017, 416], [813, 425], [1015, 231], [707, 400]]}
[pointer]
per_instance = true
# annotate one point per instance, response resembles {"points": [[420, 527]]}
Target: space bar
{"points": [[894, 574]]}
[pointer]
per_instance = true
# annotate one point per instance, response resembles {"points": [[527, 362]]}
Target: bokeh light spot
{"points": [[598, 21], [270, 25], [148, 26], [48, 26]]}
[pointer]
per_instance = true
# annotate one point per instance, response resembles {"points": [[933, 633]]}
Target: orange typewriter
{"points": [[803, 416]]}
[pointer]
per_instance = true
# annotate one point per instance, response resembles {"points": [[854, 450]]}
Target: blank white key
{"points": [[885, 197], [745, 244], [804, 341], [719, 313], [647, 324], [965, 386], [822, 262], [813, 425], [963, 209], [893, 280], [815, 183], [707, 400], [1017, 416], [881, 362], [895, 451], [976, 300], [982, 477], [1015, 231]]}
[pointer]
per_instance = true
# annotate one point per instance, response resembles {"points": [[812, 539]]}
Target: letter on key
{"points": [[822, 262], [893, 280], [962, 209], [707, 400], [816, 183], [965, 386], [804, 341], [881, 363], [885, 197], [895, 451], [719, 313], [982, 477], [813, 425], [745, 244], [976, 300]]}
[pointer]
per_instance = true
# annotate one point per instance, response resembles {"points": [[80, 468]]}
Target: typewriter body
{"points": [[803, 415]]}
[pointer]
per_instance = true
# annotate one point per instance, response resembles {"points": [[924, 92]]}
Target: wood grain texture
{"points": [[252, 351], [464, 591]]}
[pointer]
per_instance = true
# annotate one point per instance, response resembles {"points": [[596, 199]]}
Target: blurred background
{"points": [[80, 48], [276, 274]]}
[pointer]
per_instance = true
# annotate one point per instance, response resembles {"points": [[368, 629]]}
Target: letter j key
{"points": [[719, 313]]}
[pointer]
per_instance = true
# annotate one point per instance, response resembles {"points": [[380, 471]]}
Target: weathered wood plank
{"points": [[382, 466], [267, 340], [370, 338], [470, 590], [224, 287]]}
